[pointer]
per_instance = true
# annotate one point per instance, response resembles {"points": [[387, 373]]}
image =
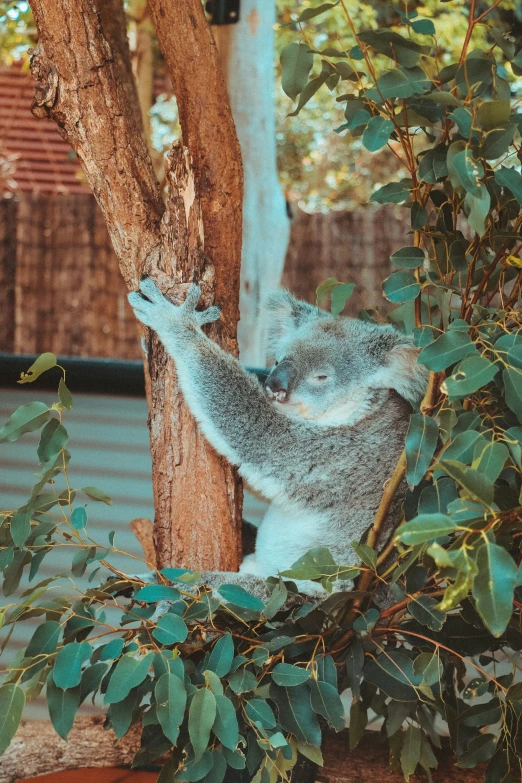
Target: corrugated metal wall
{"points": [[109, 444]]}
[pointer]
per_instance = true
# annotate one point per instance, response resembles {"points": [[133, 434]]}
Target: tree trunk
{"points": [[246, 54], [79, 86], [36, 749]]}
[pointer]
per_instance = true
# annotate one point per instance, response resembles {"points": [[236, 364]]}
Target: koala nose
{"points": [[278, 384]]}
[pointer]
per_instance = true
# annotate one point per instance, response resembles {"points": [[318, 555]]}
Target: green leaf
{"points": [[121, 713], [365, 553], [296, 714], [296, 62], [340, 295], [511, 179], [423, 26], [473, 373], [377, 133], [238, 596], [405, 51], [446, 98], [310, 13], [478, 205], [493, 586], [65, 395], [129, 673], [446, 350], [409, 257], [21, 526], [43, 363], [325, 289], [513, 390], [497, 142], [327, 702], [171, 700], [170, 629], [52, 440], [62, 706], [425, 610], [260, 712], [475, 486], [44, 640], [393, 193], [421, 442], [196, 769], [79, 518], [243, 681], [489, 459], [221, 657], [354, 666], [425, 527], [318, 563], [91, 679], [12, 703], [392, 672], [401, 287], [67, 670], [468, 170], [366, 621], [286, 674], [480, 749], [493, 114], [150, 594], [202, 714], [419, 216], [310, 90], [96, 494], [225, 725], [411, 751], [27, 418]]}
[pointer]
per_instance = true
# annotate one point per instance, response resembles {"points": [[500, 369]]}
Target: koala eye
{"points": [[276, 363], [321, 377]]}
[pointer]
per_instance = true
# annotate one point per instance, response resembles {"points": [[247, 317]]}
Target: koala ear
{"points": [[283, 314], [402, 373], [396, 357]]}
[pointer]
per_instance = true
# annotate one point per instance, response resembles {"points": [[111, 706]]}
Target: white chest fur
{"points": [[284, 535]]}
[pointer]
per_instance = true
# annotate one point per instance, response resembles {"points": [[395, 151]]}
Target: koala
{"points": [[322, 436]]}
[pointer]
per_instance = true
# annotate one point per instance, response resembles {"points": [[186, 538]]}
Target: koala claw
{"points": [[153, 309]]}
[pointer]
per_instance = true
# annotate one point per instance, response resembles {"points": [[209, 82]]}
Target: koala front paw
{"points": [[153, 309]]}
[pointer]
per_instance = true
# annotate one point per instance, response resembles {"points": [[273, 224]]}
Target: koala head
{"points": [[326, 368]]}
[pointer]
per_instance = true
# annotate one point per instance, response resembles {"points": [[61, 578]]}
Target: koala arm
{"points": [[228, 402]]}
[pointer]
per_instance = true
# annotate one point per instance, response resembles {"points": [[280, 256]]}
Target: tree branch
{"points": [[114, 23], [209, 133], [79, 87]]}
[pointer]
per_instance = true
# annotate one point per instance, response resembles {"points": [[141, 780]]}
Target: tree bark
{"points": [[246, 54], [208, 131], [36, 749], [197, 495], [114, 24]]}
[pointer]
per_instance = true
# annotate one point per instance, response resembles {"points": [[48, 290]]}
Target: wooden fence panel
{"points": [[61, 290], [8, 217], [350, 246], [70, 297]]}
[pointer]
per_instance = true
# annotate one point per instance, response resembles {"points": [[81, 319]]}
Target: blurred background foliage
{"points": [[319, 168]]}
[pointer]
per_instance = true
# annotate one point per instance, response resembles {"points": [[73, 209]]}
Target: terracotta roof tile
{"points": [[41, 160]]}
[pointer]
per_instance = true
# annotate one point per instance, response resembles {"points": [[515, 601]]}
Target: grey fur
{"points": [[324, 455]]}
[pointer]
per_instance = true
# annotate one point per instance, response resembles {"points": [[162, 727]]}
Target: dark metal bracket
{"points": [[223, 11]]}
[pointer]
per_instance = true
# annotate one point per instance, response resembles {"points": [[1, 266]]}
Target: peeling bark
{"points": [[198, 235]]}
